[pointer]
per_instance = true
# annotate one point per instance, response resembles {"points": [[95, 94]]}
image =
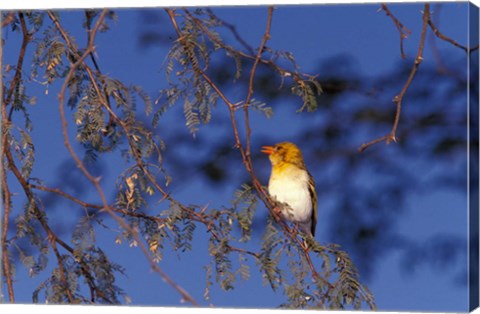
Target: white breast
{"points": [[294, 192]]}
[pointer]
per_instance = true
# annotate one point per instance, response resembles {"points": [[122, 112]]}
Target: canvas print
{"points": [[320, 156]]}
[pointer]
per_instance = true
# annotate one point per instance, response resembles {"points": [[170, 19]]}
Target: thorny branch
{"points": [[246, 104], [199, 217], [8, 19], [96, 181], [250, 55], [231, 107], [232, 29], [440, 35], [245, 149], [104, 102], [402, 30], [5, 147], [392, 136], [63, 278], [53, 238]]}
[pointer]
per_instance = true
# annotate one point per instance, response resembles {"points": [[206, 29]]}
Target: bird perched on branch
{"points": [[292, 186]]}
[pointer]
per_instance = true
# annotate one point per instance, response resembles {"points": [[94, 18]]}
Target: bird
{"points": [[292, 186]]}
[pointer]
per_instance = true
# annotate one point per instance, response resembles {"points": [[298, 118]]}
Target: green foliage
{"points": [[50, 56], [188, 58], [23, 148], [35, 18], [102, 274], [245, 204], [308, 91], [270, 256], [114, 118]]}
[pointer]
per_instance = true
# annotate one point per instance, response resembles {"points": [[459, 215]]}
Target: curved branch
{"points": [[26, 37], [251, 55], [104, 102], [96, 181], [5, 147], [41, 219], [244, 150], [392, 136], [7, 270], [198, 217], [63, 277], [402, 30], [265, 38], [440, 35], [8, 19]]}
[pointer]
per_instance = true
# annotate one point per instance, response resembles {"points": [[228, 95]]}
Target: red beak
{"points": [[267, 150]]}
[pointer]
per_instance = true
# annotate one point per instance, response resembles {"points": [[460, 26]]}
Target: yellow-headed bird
{"points": [[291, 184]]}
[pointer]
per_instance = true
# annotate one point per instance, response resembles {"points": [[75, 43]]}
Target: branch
{"points": [[41, 217], [7, 270], [292, 234], [8, 19], [251, 55], [265, 38], [5, 147], [103, 101], [18, 71], [402, 30], [233, 30], [63, 278], [392, 137], [245, 150], [440, 35], [96, 181], [231, 105], [199, 217], [191, 213]]}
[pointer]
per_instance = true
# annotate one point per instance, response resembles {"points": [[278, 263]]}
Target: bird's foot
{"points": [[277, 210], [295, 230], [305, 245]]}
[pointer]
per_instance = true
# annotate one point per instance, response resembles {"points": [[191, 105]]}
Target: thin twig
{"points": [[448, 39], [192, 214], [441, 68], [6, 119], [250, 56], [89, 19], [7, 270], [392, 136], [246, 159], [63, 277], [233, 30], [41, 217], [248, 162], [65, 195], [199, 217], [104, 102], [8, 19], [18, 71], [265, 38], [402, 30], [96, 181]]}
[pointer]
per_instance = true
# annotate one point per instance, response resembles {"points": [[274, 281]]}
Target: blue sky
{"points": [[313, 34]]}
